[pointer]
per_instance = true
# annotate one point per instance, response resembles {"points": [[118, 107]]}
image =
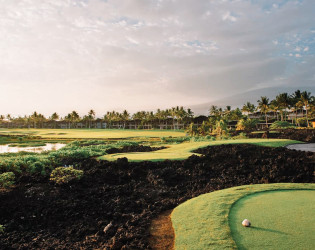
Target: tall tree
{"points": [[305, 98], [75, 118], [284, 102], [54, 117], [248, 108], [125, 117], [214, 111], [263, 106], [91, 117], [34, 118]]}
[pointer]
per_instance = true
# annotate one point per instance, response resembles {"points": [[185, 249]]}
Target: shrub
{"points": [[1, 229], [246, 124], [221, 129], [175, 140], [302, 122], [63, 175], [281, 125], [240, 136], [7, 179]]}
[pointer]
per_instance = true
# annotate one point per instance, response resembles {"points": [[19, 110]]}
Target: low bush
{"points": [[6, 179], [240, 136], [302, 122], [63, 175], [202, 138], [175, 139], [281, 125], [246, 124]]}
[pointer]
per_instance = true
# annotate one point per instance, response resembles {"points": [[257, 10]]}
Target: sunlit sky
{"points": [[64, 55]]}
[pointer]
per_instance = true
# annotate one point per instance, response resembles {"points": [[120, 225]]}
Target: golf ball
{"points": [[246, 223]]}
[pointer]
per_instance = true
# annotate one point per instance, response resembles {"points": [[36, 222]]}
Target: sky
{"points": [[64, 55]]}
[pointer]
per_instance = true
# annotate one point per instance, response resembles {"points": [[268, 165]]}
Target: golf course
{"points": [[121, 181]]}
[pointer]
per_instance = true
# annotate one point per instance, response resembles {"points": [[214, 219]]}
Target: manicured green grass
{"points": [[184, 150], [285, 219], [203, 222], [93, 133]]}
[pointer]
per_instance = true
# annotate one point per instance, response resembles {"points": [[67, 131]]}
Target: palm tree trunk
{"points": [[306, 116]]}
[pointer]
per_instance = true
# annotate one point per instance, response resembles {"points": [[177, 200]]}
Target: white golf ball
{"points": [[246, 223]]}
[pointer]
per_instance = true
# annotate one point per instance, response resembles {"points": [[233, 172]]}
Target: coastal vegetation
{"points": [[298, 108]]}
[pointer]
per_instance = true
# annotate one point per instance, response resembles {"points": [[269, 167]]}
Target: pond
{"points": [[309, 147], [48, 147]]}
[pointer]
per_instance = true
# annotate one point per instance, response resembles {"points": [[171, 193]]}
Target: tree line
{"points": [[300, 104]]}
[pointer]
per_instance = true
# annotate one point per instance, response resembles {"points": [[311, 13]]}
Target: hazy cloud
{"points": [[60, 55]]}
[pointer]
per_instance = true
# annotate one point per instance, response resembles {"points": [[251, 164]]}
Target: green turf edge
{"points": [[203, 222], [258, 142]]}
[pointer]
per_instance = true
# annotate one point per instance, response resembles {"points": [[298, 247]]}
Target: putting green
{"points": [[184, 150], [203, 222], [93, 133], [280, 220]]}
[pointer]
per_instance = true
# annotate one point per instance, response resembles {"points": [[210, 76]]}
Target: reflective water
{"points": [[47, 147], [303, 147]]}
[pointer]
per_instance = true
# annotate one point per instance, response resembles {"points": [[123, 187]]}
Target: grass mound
{"points": [[203, 222], [184, 150], [280, 220]]}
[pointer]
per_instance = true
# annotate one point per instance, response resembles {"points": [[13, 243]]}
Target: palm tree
{"points": [[220, 128], [192, 129], [91, 117], [190, 114], [248, 108], [275, 107], [173, 113], [41, 120], [296, 103], [159, 116], [284, 102], [214, 111], [75, 118], [263, 106], [54, 117], [204, 128], [125, 117], [305, 98], [68, 120], [34, 118], [227, 112], [180, 114]]}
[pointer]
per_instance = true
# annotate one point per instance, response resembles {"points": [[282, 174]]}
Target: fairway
{"points": [[286, 219], [204, 222], [93, 133], [184, 150]]}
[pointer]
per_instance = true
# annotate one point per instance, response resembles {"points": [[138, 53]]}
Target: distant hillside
{"points": [[250, 96]]}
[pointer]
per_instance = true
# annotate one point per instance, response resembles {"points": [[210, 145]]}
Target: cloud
{"points": [[130, 54], [228, 16]]}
